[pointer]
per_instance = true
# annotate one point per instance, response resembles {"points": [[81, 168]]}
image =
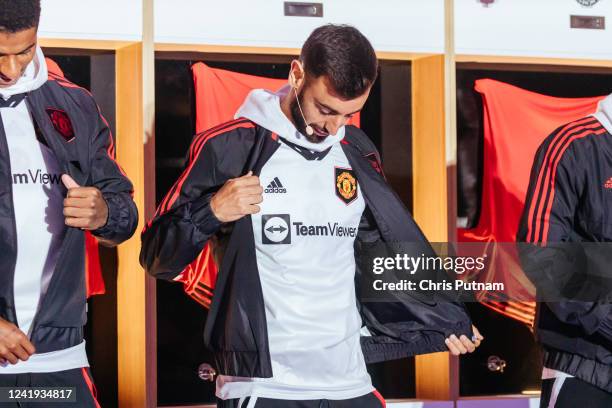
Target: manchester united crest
{"points": [[61, 123], [346, 185]]}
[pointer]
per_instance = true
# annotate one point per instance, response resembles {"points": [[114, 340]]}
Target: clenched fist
{"points": [[238, 197], [14, 344], [84, 207]]}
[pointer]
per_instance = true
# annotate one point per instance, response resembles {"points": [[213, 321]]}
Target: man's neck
{"points": [[285, 105]]}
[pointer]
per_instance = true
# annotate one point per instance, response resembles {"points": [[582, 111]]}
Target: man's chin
{"points": [[318, 136], [321, 134], [314, 138]]}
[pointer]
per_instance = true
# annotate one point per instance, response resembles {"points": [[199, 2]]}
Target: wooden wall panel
{"points": [[136, 331], [436, 374], [429, 147]]}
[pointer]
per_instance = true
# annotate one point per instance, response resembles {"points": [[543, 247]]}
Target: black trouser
{"points": [[371, 400], [79, 378], [573, 393]]}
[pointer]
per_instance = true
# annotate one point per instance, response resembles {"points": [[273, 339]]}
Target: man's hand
{"points": [[463, 345], [84, 207], [238, 197], [14, 344]]}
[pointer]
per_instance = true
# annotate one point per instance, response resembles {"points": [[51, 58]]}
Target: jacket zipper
{"points": [[58, 265], [13, 224], [67, 237]]}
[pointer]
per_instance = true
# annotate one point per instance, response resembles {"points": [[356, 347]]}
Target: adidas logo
{"points": [[608, 183], [275, 187]]}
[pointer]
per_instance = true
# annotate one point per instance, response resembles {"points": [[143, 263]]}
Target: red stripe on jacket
{"points": [[91, 386], [534, 207], [541, 206], [197, 147]]}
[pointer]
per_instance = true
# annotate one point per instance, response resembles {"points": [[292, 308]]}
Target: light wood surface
{"points": [[83, 44], [500, 59], [434, 149], [235, 49], [430, 194], [429, 147], [136, 311]]}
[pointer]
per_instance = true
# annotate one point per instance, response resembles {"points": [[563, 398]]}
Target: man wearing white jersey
{"points": [[57, 179], [303, 193]]}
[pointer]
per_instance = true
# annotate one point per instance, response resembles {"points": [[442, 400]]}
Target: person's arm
{"points": [[437, 319], [550, 255], [105, 207], [210, 192], [447, 314]]}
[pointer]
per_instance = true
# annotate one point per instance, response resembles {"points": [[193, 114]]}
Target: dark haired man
{"points": [[57, 179], [285, 324]]}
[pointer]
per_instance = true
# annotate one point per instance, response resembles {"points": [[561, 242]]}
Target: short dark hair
{"points": [[344, 56], [19, 15]]}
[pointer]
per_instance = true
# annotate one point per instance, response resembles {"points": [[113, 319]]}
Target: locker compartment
{"points": [[507, 341]]}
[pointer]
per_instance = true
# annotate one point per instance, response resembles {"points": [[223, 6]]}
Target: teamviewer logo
{"points": [[275, 229]]}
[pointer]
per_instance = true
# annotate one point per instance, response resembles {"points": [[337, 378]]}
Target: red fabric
{"points": [[219, 94], [93, 270], [53, 68], [516, 122], [94, 280]]}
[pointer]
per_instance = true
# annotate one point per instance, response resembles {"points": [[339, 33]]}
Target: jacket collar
{"points": [[12, 101]]}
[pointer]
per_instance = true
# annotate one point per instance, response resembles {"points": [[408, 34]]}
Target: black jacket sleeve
{"points": [[552, 196], [184, 221], [417, 322], [116, 188], [550, 252]]}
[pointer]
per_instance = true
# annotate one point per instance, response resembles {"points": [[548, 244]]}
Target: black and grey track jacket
{"points": [[236, 329], [566, 228], [66, 119]]}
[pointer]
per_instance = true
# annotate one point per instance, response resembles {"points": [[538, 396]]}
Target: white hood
{"points": [[604, 113], [33, 78], [263, 107]]}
